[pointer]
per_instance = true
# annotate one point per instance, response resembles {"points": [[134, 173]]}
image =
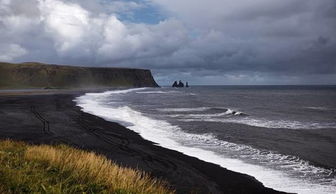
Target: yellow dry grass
{"points": [[83, 167]]}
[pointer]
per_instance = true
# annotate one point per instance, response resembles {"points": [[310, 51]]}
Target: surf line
{"points": [[168, 136]]}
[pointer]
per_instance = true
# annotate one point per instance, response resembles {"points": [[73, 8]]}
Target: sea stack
{"points": [[180, 84]]}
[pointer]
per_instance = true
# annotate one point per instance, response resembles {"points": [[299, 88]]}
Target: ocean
{"points": [[284, 136]]}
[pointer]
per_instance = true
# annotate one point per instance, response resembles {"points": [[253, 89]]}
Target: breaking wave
{"points": [[319, 108], [190, 115], [274, 124], [198, 109], [229, 112], [157, 92], [281, 172]]}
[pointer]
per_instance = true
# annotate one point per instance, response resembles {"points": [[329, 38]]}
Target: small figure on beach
{"points": [[187, 85]]}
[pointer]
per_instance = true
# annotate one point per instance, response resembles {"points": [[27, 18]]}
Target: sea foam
{"points": [[195, 115], [184, 109], [204, 146], [260, 122]]}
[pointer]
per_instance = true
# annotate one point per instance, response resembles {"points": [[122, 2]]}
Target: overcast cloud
{"points": [[203, 41]]}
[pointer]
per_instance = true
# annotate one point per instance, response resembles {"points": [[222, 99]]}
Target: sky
{"points": [[204, 42]]}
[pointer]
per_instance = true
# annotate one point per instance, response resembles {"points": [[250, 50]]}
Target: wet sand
{"points": [[53, 118]]}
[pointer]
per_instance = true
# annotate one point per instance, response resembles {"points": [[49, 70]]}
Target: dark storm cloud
{"points": [[222, 41]]}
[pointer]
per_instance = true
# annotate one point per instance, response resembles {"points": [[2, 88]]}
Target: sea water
{"points": [[284, 136]]}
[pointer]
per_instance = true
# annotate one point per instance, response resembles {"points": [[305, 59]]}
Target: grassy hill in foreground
{"points": [[28, 168], [38, 75]]}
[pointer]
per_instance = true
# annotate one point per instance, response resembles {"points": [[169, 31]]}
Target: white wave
{"points": [[206, 116], [229, 111], [232, 112], [203, 146], [238, 113], [201, 116], [157, 92], [292, 164], [108, 93], [275, 124], [197, 109], [317, 108], [201, 109]]}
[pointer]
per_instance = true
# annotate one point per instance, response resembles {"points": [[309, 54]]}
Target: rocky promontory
{"points": [[39, 75]]}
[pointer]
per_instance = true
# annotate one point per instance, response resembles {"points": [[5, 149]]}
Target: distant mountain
{"points": [[39, 75]]}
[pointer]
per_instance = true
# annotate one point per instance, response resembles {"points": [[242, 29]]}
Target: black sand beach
{"points": [[22, 118]]}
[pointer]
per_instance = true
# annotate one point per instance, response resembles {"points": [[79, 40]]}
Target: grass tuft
{"points": [[28, 168]]}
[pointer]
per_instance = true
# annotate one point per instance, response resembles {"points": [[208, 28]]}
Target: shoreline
{"points": [[69, 125]]}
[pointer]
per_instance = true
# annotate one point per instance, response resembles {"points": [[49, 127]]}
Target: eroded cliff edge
{"points": [[39, 75]]}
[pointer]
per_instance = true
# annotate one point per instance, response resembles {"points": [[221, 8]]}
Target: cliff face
{"points": [[38, 75]]}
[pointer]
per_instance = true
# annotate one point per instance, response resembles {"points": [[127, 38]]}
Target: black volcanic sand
{"points": [[21, 119]]}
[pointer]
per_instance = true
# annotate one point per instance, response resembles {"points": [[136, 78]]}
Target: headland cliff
{"points": [[46, 76]]}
